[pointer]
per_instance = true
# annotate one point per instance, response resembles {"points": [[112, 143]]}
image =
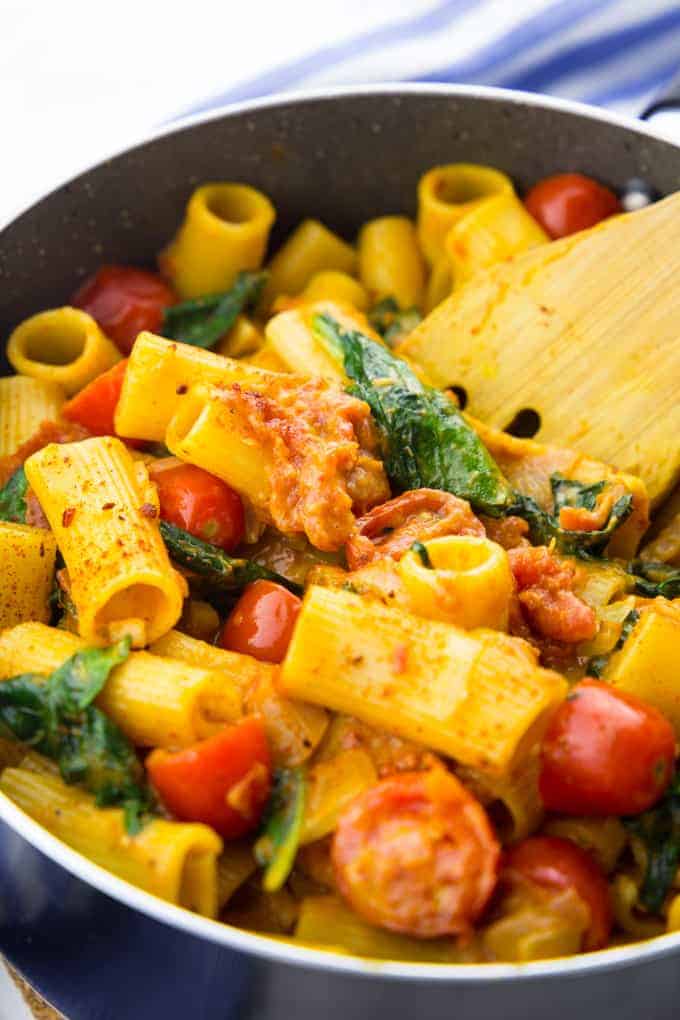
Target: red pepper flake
{"points": [[67, 516], [181, 390], [400, 659], [108, 506], [148, 510]]}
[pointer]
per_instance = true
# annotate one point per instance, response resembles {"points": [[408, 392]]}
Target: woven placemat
{"points": [[37, 1005]]}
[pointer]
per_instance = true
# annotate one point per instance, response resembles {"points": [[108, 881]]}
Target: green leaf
{"points": [[544, 527], [659, 830], [13, 498], [567, 492], [426, 442], [655, 580], [202, 321], [55, 715], [393, 323], [597, 665], [278, 843], [421, 550], [211, 562]]}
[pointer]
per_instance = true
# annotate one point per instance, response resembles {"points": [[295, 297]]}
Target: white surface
{"points": [[12, 1005]]}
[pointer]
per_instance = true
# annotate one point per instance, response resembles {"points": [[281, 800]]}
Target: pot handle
{"points": [[664, 110]]}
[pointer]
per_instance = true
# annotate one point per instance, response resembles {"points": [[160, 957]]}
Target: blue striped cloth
{"points": [[615, 53]]}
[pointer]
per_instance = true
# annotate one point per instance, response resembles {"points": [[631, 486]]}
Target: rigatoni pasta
{"points": [[27, 556], [25, 402]]}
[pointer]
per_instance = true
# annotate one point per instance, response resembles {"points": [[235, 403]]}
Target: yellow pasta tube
{"points": [[243, 338], [64, 346], [478, 697], [492, 230], [604, 838], [157, 701], [333, 285], [27, 556], [158, 375], [468, 582], [513, 800], [445, 193], [390, 261], [24, 404], [332, 784], [439, 284], [311, 248], [647, 665], [176, 861], [225, 230], [266, 358], [294, 729], [291, 335], [624, 896], [103, 512]]}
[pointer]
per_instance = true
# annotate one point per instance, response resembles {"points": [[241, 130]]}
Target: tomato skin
{"points": [[262, 621], [605, 753], [201, 504], [553, 861], [567, 203], [416, 854], [124, 301], [94, 406], [194, 783]]}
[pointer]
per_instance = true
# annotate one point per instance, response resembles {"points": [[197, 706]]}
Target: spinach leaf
{"points": [[659, 830], [393, 323], [597, 665], [567, 492], [56, 717], [202, 321], [13, 498], [655, 579], [278, 843], [426, 442], [212, 563], [422, 552]]}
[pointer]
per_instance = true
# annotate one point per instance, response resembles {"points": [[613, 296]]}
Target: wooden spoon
{"points": [[585, 333]]}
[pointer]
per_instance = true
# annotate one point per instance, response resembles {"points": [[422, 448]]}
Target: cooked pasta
{"points": [[289, 639]]}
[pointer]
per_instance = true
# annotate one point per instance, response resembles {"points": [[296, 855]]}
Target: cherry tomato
{"points": [[605, 753], [124, 301], [95, 405], [416, 854], [567, 203], [391, 528], [223, 781], [262, 621], [552, 861], [201, 504]]}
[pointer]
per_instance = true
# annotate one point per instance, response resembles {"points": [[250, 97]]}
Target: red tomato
{"points": [[605, 753], [416, 854], [95, 405], [262, 621], [223, 781], [124, 301], [201, 504], [567, 203], [551, 861]]}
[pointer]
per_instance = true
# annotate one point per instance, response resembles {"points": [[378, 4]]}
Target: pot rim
{"points": [[261, 945]]}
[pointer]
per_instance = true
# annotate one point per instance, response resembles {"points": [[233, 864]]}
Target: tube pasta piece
{"points": [[27, 556], [176, 861], [333, 285], [243, 338], [266, 358], [490, 231], [103, 512], [439, 284], [468, 582], [291, 335], [664, 543], [446, 193], [537, 923], [512, 800], [64, 346], [311, 248], [225, 230], [332, 784], [647, 665], [294, 729], [478, 697], [604, 838], [390, 261], [235, 865], [158, 375], [625, 904], [24, 404], [157, 701]]}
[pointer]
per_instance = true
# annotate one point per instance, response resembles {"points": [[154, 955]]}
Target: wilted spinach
{"points": [[202, 321]]}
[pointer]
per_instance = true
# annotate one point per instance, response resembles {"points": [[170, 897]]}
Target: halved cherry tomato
{"points": [[124, 301], [201, 504], [605, 753], [552, 861], [262, 621], [567, 203], [391, 528], [95, 405], [223, 781], [416, 854]]}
